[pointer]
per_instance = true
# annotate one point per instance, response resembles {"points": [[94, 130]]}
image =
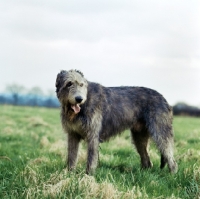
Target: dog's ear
{"points": [[78, 71], [60, 80]]}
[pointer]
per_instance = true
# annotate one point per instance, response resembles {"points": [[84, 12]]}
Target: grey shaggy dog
{"points": [[94, 113]]}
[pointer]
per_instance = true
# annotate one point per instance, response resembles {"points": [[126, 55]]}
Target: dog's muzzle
{"points": [[76, 107]]}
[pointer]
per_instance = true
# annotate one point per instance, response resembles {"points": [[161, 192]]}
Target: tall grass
{"points": [[33, 151]]}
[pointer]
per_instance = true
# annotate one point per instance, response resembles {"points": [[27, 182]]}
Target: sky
{"points": [[154, 44]]}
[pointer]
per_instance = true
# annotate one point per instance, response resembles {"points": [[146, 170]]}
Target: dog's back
{"points": [[123, 107]]}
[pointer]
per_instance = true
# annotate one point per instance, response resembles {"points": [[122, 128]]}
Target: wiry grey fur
{"points": [[95, 113]]}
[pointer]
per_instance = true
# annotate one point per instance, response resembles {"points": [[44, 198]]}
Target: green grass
{"points": [[33, 151]]}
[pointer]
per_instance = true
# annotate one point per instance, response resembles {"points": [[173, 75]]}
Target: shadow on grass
{"points": [[122, 167]]}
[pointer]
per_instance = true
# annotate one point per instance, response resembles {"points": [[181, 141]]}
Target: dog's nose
{"points": [[78, 99]]}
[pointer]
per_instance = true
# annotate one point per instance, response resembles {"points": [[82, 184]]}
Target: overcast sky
{"points": [[149, 43]]}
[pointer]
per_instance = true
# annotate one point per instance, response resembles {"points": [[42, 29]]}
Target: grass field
{"points": [[33, 151]]}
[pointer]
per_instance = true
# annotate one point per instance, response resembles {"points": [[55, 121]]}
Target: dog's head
{"points": [[71, 89]]}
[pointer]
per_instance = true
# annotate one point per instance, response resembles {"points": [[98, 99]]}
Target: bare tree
{"points": [[50, 102], [36, 93], [15, 90]]}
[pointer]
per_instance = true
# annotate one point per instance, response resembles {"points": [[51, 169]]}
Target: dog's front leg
{"points": [[73, 145], [92, 159]]}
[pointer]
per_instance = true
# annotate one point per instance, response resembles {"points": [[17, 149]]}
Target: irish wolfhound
{"points": [[95, 113]]}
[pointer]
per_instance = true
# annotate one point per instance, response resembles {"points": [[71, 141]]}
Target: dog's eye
{"points": [[69, 84], [81, 85]]}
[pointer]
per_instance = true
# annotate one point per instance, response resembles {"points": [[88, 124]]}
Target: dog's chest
{"points": [[76, 127]]}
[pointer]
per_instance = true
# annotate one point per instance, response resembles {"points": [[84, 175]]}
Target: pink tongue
{"points": [[76, 108]]}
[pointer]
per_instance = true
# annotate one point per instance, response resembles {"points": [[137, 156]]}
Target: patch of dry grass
{"points": [[89, 188], [35, 121], [38, 161], [44, 142]]}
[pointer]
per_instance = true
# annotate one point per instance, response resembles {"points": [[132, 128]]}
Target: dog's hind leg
{"points": [[163, 161], [73, 145], [140, 140]]}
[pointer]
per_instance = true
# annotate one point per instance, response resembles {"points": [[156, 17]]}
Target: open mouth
{"points": [[76, 108]]}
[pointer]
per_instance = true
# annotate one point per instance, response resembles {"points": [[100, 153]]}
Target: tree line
{"points": [[18, 95], [185, 109]]}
